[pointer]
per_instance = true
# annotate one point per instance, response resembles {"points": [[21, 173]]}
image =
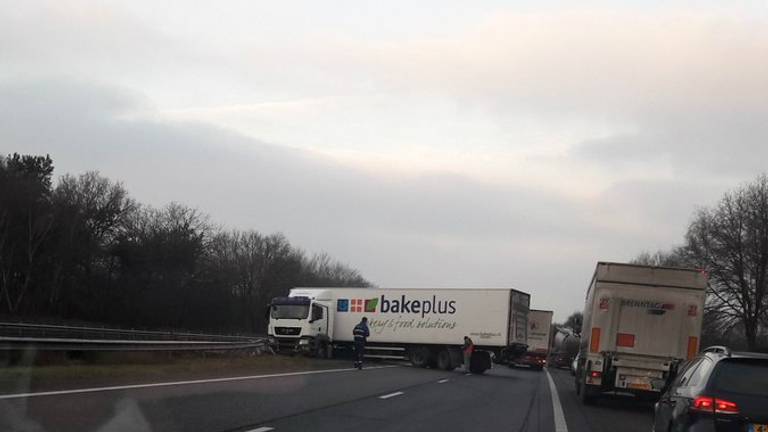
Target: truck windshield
{"points": [[290, 311]]}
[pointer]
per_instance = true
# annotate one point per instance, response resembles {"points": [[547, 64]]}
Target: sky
{"points": [[427, 144]]}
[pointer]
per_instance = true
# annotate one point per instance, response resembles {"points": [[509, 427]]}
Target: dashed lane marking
{"points": [[261, 429], [443, 381], [387, 396], [557, 409], [179, 383]]}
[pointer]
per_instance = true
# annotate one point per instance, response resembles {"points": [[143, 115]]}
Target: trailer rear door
{"points": [[649, 328], [519, 304]]}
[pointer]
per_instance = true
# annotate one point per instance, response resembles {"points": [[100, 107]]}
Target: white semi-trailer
{"points": [[425, 326], [640, 323]]}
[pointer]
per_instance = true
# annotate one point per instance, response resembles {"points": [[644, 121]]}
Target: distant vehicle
{"points": [[539, 332], [718, 391], [425, 326], [565, 346], [640, 323], [574, 364]]}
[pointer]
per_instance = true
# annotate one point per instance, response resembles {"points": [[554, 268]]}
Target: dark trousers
{"points": [[359, 351]]}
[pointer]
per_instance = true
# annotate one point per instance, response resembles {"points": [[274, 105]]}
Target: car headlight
{"points": [[304, 342]]}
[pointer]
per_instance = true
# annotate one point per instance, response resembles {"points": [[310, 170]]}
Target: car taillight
{"points": [[726, 407], [705, 404], [712, 405]]}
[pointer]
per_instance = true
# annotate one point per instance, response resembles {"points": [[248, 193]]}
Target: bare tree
{"points": [[730, 241], [677, 257], [574, 322]]}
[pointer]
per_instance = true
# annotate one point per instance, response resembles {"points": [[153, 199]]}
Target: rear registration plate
{"points": [[642, 386], [754, 427]]}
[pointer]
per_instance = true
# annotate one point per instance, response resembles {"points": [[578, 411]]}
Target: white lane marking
{"points": [[442, 381], [178, 383], [387, 396], [557, 409], [261, 429], [468, 374]]}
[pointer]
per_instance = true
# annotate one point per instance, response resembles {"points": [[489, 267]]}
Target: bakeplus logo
{"points": [[651, 306], [357, 305], [400, 305]]}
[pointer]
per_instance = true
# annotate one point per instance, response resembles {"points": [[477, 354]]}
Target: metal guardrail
{"points": [[23, 336]]}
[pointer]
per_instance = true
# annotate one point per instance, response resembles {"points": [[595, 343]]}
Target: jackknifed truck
{"points": [[640, 323], [425, 326]]}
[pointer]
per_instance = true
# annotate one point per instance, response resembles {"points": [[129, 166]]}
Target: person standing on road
{"points": [[468, 348], [361, 334]]}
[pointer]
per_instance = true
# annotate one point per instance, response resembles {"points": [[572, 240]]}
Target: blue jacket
{"points": [[361, 332]]}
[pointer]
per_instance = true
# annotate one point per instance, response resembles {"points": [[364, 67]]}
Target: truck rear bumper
{"points": [[633, 379]]}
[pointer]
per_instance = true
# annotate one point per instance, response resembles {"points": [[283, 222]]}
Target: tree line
{"points": [[84, 250], [730, 242]]}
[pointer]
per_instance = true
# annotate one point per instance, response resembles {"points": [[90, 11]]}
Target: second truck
{"points": [[640, 323], [539, 335]]}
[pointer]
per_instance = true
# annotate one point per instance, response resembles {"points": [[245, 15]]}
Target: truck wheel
{"points": [[587, 394], [444, 361], [432, 362], [320, 350], [420, 357]]}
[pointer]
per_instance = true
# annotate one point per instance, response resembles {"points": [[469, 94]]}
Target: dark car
{"points": [[718, 391]]}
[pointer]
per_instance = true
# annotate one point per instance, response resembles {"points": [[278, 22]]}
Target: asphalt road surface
{"points": [[394, 398]]}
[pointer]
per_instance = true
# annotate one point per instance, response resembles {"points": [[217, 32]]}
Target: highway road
{"points": [[383, 398]]}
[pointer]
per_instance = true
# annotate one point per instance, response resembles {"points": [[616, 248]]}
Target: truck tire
{"points": [[444, 361], [420, 356], [320, 350], [324, 350], [587, 394], [432, 362]]}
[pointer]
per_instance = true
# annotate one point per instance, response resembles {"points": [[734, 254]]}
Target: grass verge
{"points": [[21, 379]]}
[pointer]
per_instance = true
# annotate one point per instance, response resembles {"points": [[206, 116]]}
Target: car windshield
{"points": [[745, 376], [202, 202], [289, 311]]}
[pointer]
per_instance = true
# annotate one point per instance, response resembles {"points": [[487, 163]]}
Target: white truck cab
{"points": [[301, 322]]}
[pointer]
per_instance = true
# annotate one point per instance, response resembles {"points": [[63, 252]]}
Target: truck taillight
{"points": [[594, 341], [693, 347]]}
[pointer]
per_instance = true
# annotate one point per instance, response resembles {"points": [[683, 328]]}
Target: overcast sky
{"points": [[434, 143]]}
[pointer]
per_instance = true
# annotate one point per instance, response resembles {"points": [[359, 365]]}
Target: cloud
{"points": [[513, 150], [417, 230]]}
